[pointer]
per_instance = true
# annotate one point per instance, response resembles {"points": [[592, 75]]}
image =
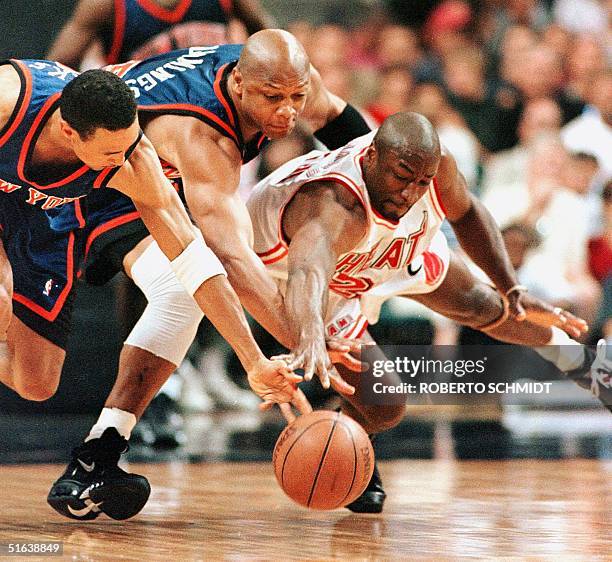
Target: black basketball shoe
{"points": [[94, 484], [595, 374], [372, 499]]}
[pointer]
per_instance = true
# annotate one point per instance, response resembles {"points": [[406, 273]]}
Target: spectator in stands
{"points": [[592, 131], [508, 166]]}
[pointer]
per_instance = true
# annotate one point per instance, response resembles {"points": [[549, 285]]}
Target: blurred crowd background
{"points": [[520, 92]]}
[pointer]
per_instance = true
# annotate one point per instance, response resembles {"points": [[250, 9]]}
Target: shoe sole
{"points": [[122, 500]]}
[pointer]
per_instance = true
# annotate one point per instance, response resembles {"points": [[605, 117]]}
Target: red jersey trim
{"points": [[118, 32], [22, 103], [227, 6], [219, 94], [196, 111], [26, 147], [117, 221], [438, 199], [173, 15], [51, 315]]}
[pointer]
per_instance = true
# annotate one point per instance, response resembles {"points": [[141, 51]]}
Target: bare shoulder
{"points": [[10, 87], [447, 170], [331, 203], [180, 137]]}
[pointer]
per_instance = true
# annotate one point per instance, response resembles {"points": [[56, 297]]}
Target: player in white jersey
{"points": [[343, 231]]}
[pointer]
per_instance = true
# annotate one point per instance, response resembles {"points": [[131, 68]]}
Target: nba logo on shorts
{"points": [[48, 287]]}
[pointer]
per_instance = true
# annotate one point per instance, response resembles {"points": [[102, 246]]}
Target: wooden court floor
{"points": [[436, 510]]}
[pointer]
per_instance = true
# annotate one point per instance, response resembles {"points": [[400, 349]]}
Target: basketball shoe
{"points": [[372, 499], [94, 484], [595, 374]]}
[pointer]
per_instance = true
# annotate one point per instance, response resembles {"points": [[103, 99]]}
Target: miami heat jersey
{"points": [[41, 86], [137, 22], [386, 248]]}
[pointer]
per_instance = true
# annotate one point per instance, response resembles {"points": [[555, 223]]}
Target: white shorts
{"points": [[349, 318]]}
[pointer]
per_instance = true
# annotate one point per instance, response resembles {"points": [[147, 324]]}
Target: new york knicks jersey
{"points": [[41, 86], [191, 82], [138, 21], [387, 246]]}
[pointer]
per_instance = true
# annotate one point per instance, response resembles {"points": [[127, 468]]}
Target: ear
{"points": [[371, 155], [238, 81], [67, 131]]}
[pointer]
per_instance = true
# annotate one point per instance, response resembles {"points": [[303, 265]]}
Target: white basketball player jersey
{"points": [[387, 247]]}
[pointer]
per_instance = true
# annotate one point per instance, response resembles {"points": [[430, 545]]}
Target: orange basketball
{"points": [[323, 460]]}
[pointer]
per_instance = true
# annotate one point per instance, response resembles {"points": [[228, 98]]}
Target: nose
{"points": [[287, 111], [405, 194]]}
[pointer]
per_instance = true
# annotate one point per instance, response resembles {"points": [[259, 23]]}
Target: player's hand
{"points": [[346, 352], [311, 356], [545, 314], [275, 383], [516, 305]]}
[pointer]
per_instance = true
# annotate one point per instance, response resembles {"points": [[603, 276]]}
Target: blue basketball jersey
{"points": [[137, 21], [191, 82], [41, 86]]}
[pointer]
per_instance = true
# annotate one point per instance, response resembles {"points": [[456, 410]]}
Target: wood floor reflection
{"points": [[435, 510]]}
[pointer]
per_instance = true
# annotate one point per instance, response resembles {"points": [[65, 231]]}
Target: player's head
{"points": [[98, 117], [272, 78], [400, 163]]}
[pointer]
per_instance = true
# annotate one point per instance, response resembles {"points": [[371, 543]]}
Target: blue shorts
{"points": [[112, 228], [43, 263]]}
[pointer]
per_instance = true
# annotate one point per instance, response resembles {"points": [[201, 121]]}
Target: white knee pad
{"points": [[170, 321]]}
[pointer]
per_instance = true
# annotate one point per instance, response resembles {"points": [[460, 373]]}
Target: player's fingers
{"points": [[341, 386], [337, 345], [301, 402], [292, 377], [324, 378], [517, 311], [351, 363], [285, 409], [264, 406]]}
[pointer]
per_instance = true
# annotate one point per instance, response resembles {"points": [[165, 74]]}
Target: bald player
{"points": [[343, 231], [206, 110]]}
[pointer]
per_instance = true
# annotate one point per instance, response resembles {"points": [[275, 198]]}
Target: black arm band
{"points": [[347, 126]]}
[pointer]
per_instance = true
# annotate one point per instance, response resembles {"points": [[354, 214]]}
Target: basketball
{"points": [[323, 460]]}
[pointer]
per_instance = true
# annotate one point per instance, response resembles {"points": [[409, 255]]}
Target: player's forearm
{"points": [[481, 239], [220, 303], [305, 303], [169, 225], [310, 269], [258, 292]]}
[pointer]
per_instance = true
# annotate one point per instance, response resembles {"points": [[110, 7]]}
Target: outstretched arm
{"points": [[482, 241], [210, 168], [322, 221], [142, 179], [80, 31]]}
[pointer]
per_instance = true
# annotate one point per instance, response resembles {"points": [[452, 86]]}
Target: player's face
{"points": [[105, 148], [396, 183], [274, 105]]}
